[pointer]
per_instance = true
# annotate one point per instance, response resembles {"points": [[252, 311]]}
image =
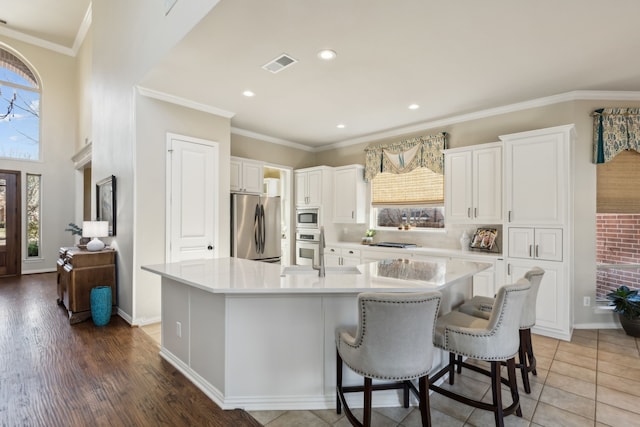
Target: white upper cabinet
{"points": [[312, 186], [349, 191], [473, 184], [247, 175], [537, 176]]}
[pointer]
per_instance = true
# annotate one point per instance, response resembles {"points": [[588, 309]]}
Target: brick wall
{"points": [[617, 242]]}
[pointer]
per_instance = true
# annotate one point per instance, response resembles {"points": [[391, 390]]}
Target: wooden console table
{"points": [[79, 271]]}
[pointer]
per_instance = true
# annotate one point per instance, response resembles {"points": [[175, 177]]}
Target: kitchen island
{"points": [[260, 336]]}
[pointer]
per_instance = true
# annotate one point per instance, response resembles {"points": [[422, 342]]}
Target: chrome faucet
{"points": [[321, 245]]}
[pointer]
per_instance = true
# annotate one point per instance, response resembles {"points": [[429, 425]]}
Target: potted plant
{"points": [[368, 236], [626, 303], [77, 231]]}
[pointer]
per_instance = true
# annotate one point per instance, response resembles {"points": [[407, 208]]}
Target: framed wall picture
{"points": [[106, 202], [484, 239]]}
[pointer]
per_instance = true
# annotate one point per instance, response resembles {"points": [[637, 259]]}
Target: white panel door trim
{"points": [[211, 180]]}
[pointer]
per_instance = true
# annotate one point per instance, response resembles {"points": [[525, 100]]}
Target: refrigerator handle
{"points": [[264, 229], [256, 228]]}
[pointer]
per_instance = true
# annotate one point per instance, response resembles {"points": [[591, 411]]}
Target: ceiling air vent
{"points": [[280, 63]]}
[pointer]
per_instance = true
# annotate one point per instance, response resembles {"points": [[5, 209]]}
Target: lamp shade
{"points": [[95, 228]]}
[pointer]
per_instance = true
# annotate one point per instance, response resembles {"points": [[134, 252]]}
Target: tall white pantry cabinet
{"points": [[537, 220]]}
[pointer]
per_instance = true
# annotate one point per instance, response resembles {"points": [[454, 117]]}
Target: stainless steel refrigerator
{"points": [[255, 227]]}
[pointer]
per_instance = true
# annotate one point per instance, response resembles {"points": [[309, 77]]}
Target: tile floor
{"points": [[594, 380]]}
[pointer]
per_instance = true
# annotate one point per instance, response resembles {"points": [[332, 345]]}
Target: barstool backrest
{"points": [[505, 319], [394, 339], [534, 276]]}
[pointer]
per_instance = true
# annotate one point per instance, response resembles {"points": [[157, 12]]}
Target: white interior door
{"points": [[192, 198]]}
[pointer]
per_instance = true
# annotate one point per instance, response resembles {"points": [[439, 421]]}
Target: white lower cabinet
{"points": [[335, 255], [552, 306]]}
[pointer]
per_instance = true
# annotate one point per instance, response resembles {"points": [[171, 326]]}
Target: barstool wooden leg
{"points": [[425, 407], [452, 364], [524, 366], [338, 383], [366, 422], [513, 385], [531, 357], [496, 393]]}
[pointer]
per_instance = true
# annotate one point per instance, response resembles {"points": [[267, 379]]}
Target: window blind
{"points": [[420, 187]]}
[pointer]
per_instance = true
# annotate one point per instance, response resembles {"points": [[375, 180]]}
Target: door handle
{"points": [[210, 247], [468, 212], [536, 251], [530, 251]]}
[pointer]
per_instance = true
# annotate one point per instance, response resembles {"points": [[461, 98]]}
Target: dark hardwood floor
{"points": [[56, 374]]}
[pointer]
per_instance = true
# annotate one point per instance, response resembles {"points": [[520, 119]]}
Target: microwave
{"points": [[308, 218]]}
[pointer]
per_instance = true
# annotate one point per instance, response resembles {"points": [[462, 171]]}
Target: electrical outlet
{"points": [[587, 301], [179, 329]]}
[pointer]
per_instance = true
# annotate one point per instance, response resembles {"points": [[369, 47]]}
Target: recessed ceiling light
{"points": [[414, 107], [327, 54], [248, 93], [341, 126]]}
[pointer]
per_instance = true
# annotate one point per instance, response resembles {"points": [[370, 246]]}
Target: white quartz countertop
{"points": [[241, 276]]}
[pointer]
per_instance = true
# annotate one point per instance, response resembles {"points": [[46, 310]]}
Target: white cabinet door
{"points": [[314, 188], [487, 185], [535, 181], [473, 184], [548, 244], [252, 176], [247, 175], [349, 191], [552, 313], [535, 243], [301, 188], [331, 259], [521, 240], [347, 260], [309, 188], [458, 187]]}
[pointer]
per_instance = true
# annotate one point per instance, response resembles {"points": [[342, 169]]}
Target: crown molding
{"points": [[271, 139], [578, 95], [83, 30], [162, 96], [17, 35]]}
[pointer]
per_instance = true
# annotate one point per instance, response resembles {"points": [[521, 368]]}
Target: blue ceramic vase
{"points": [[101, 305]]}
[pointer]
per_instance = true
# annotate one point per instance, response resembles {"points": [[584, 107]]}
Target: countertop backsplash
{"points": [[449, 238]]}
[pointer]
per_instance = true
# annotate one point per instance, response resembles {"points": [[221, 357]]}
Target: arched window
{"points": [[19, 109]]}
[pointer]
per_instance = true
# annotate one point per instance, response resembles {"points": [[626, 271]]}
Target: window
{"points": [[410, 200], [19, 109], [33, 215]]}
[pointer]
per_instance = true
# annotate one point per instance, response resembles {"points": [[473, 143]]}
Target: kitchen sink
{"points": [[305, 269]]}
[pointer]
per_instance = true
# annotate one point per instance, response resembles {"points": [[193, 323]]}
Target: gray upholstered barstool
{"points": [[481, 306], [393, 341], [494, 340]]}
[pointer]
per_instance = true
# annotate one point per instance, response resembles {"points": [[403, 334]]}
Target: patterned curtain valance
{"points": [[615, 130], [405, 156]]}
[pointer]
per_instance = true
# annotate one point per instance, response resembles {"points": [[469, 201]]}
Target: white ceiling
{"points": [[450, 57]]}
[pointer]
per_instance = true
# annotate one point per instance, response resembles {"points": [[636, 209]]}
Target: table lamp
{"points": [[95, 229]]}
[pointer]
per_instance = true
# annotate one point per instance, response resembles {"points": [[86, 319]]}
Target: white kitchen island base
{"points": [[273, 347]]}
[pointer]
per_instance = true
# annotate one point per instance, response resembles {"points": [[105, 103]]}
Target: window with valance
{"points": [[615, 130], [409, 172]]}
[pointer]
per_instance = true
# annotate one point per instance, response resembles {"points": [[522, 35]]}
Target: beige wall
{"points": [[58, 112], [251, 148], [154, 119]]}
